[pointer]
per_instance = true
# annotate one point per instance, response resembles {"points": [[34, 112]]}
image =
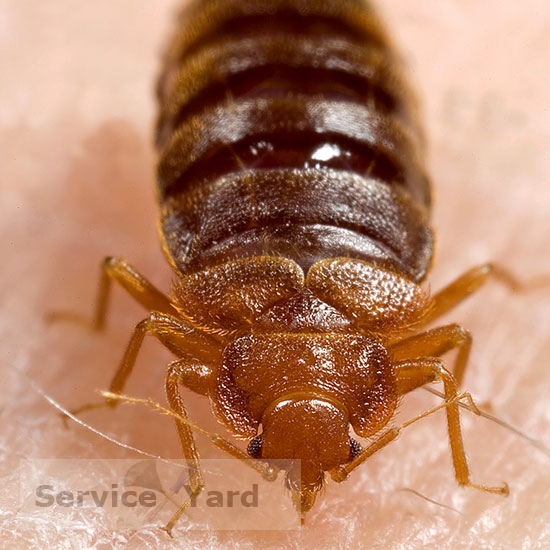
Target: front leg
{"points": [[183, 340], [429, 369], [177, 371], [181, 373], [414, 374]]}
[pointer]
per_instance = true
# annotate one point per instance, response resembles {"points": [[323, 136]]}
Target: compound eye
{"points": [[354, 448], [255, 447]]}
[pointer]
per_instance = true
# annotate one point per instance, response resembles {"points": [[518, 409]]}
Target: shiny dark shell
{"points": [[286, 129]]}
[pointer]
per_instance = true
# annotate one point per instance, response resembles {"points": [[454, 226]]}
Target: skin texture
{"points": [[76, 185]]}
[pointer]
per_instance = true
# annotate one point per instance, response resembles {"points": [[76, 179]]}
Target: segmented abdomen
{"points": [[285, 129]]}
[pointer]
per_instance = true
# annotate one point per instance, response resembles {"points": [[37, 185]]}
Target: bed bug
{"points": [[294, 212]]}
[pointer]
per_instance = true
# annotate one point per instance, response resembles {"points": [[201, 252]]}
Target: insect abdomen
{"points": [[285, 130]]}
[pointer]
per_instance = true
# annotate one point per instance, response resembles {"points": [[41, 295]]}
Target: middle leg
{"points": [[436, 342]]}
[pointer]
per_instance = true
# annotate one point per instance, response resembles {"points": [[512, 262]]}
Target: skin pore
{"points": [[78, 185]]}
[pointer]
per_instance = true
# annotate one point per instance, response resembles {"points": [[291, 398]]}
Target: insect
{"points": [[294, 212]]}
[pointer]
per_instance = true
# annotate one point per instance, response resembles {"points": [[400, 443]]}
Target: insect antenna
{"points": [[65, 412], [268, 472]]}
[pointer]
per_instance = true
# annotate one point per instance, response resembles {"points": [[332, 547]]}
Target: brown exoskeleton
{"points": [[295, 363], [294, 213]]}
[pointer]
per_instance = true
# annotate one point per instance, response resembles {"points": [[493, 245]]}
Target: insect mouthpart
{"points": [[318, 442]]}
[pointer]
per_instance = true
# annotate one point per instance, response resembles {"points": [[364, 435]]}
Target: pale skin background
{"points": [[76, 111]]}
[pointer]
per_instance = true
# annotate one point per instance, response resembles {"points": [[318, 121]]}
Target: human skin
{"points": [[77, 184]]}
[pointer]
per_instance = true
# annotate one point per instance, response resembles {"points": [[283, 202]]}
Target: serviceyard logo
{"points": [[133, 493]]}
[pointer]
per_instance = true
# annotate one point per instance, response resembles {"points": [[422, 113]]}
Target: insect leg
{"points": [[120, 271], [468, 283], [176, 371], [183, 372], [177, 335], [412, 374], [428, 369], [436, 342]]}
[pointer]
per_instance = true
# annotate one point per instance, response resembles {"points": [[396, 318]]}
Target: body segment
{"points": [[286, 129]]}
